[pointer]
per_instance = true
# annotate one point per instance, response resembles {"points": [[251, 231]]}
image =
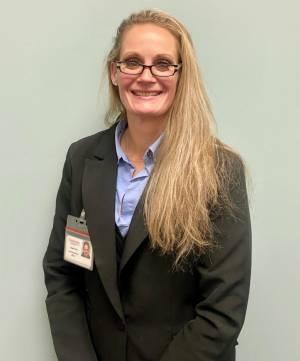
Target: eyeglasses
{"points": [[160, 69]]}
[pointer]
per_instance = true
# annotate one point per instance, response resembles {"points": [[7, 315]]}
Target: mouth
{"points": [[146, 93]]}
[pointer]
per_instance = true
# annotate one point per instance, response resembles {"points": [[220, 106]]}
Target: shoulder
{"points": [[232, 175], [88, 146], [227, 157], [230, 166]]}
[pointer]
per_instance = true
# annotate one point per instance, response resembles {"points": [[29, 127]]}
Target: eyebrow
{"points": [[157, 56]]}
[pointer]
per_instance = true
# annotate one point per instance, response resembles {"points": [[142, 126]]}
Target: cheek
{"points": [[125, 81], [124, 86], [171, 89], [174, 88]]}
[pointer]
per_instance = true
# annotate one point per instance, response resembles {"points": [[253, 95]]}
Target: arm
{"points": [[64, 282], [224, 278]]}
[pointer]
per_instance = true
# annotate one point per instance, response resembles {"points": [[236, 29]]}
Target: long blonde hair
{"points": [[190, 177]]}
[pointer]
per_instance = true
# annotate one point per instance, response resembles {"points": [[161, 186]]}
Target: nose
{"points": [[146, 75]]}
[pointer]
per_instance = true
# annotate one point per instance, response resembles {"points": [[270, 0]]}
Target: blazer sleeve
{"points": [[64, 282], [224, 279]]}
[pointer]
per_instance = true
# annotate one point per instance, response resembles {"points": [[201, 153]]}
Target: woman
{"points": [[167, 214]]}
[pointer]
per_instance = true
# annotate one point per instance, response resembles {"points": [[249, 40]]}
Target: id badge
{"points": [[78, 247]]}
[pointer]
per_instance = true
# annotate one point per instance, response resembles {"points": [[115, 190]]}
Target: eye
{"points": [[162, 65], [132, 63]]}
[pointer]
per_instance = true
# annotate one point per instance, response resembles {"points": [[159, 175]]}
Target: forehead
{"points": [[149, 40]]}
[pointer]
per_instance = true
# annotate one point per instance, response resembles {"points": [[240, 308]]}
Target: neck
{"points": [[140, 134]]}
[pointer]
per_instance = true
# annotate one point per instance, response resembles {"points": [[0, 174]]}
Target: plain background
{"points": [[51, 60]]}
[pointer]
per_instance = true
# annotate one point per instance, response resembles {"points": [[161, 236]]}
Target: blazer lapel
{"points": [[136, 234], [98, 190]]}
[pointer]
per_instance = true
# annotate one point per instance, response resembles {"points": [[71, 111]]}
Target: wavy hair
{"points": [[191, 175]]}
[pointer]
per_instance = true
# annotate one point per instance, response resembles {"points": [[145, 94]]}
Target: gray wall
{"points": [[51, 59]]}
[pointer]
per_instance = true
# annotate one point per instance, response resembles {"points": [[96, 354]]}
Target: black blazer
{"points": [[146, 311]]}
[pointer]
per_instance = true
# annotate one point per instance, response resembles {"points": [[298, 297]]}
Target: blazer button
{"points": [[121, 326]]}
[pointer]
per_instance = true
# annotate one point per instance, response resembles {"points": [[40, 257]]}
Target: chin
{"points": [[148, 114], [147, 111]]}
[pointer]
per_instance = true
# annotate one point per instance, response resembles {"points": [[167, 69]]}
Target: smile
{"points": [[146, 93]]}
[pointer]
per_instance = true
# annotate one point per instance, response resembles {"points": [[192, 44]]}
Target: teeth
{"points": [[145, 94]]}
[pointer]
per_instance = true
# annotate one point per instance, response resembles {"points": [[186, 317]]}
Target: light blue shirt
{"points": [[129, 188]]}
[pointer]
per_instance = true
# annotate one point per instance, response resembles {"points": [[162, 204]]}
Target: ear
{"points": [[113, 73]]}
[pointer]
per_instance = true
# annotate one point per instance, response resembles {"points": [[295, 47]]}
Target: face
{"points": [[145, 95], [86, 250]]}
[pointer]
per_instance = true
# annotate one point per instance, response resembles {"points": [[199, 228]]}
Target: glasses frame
{"points": [[120, 62]]}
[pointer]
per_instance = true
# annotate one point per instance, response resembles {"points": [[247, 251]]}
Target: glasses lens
{"points": [[131, 67], [163, 69]]}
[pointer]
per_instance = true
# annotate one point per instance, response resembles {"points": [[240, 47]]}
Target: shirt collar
{"points": [[122, 125]]}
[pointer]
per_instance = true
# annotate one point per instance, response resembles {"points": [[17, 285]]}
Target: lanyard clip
{"points": [[82, 215]]}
